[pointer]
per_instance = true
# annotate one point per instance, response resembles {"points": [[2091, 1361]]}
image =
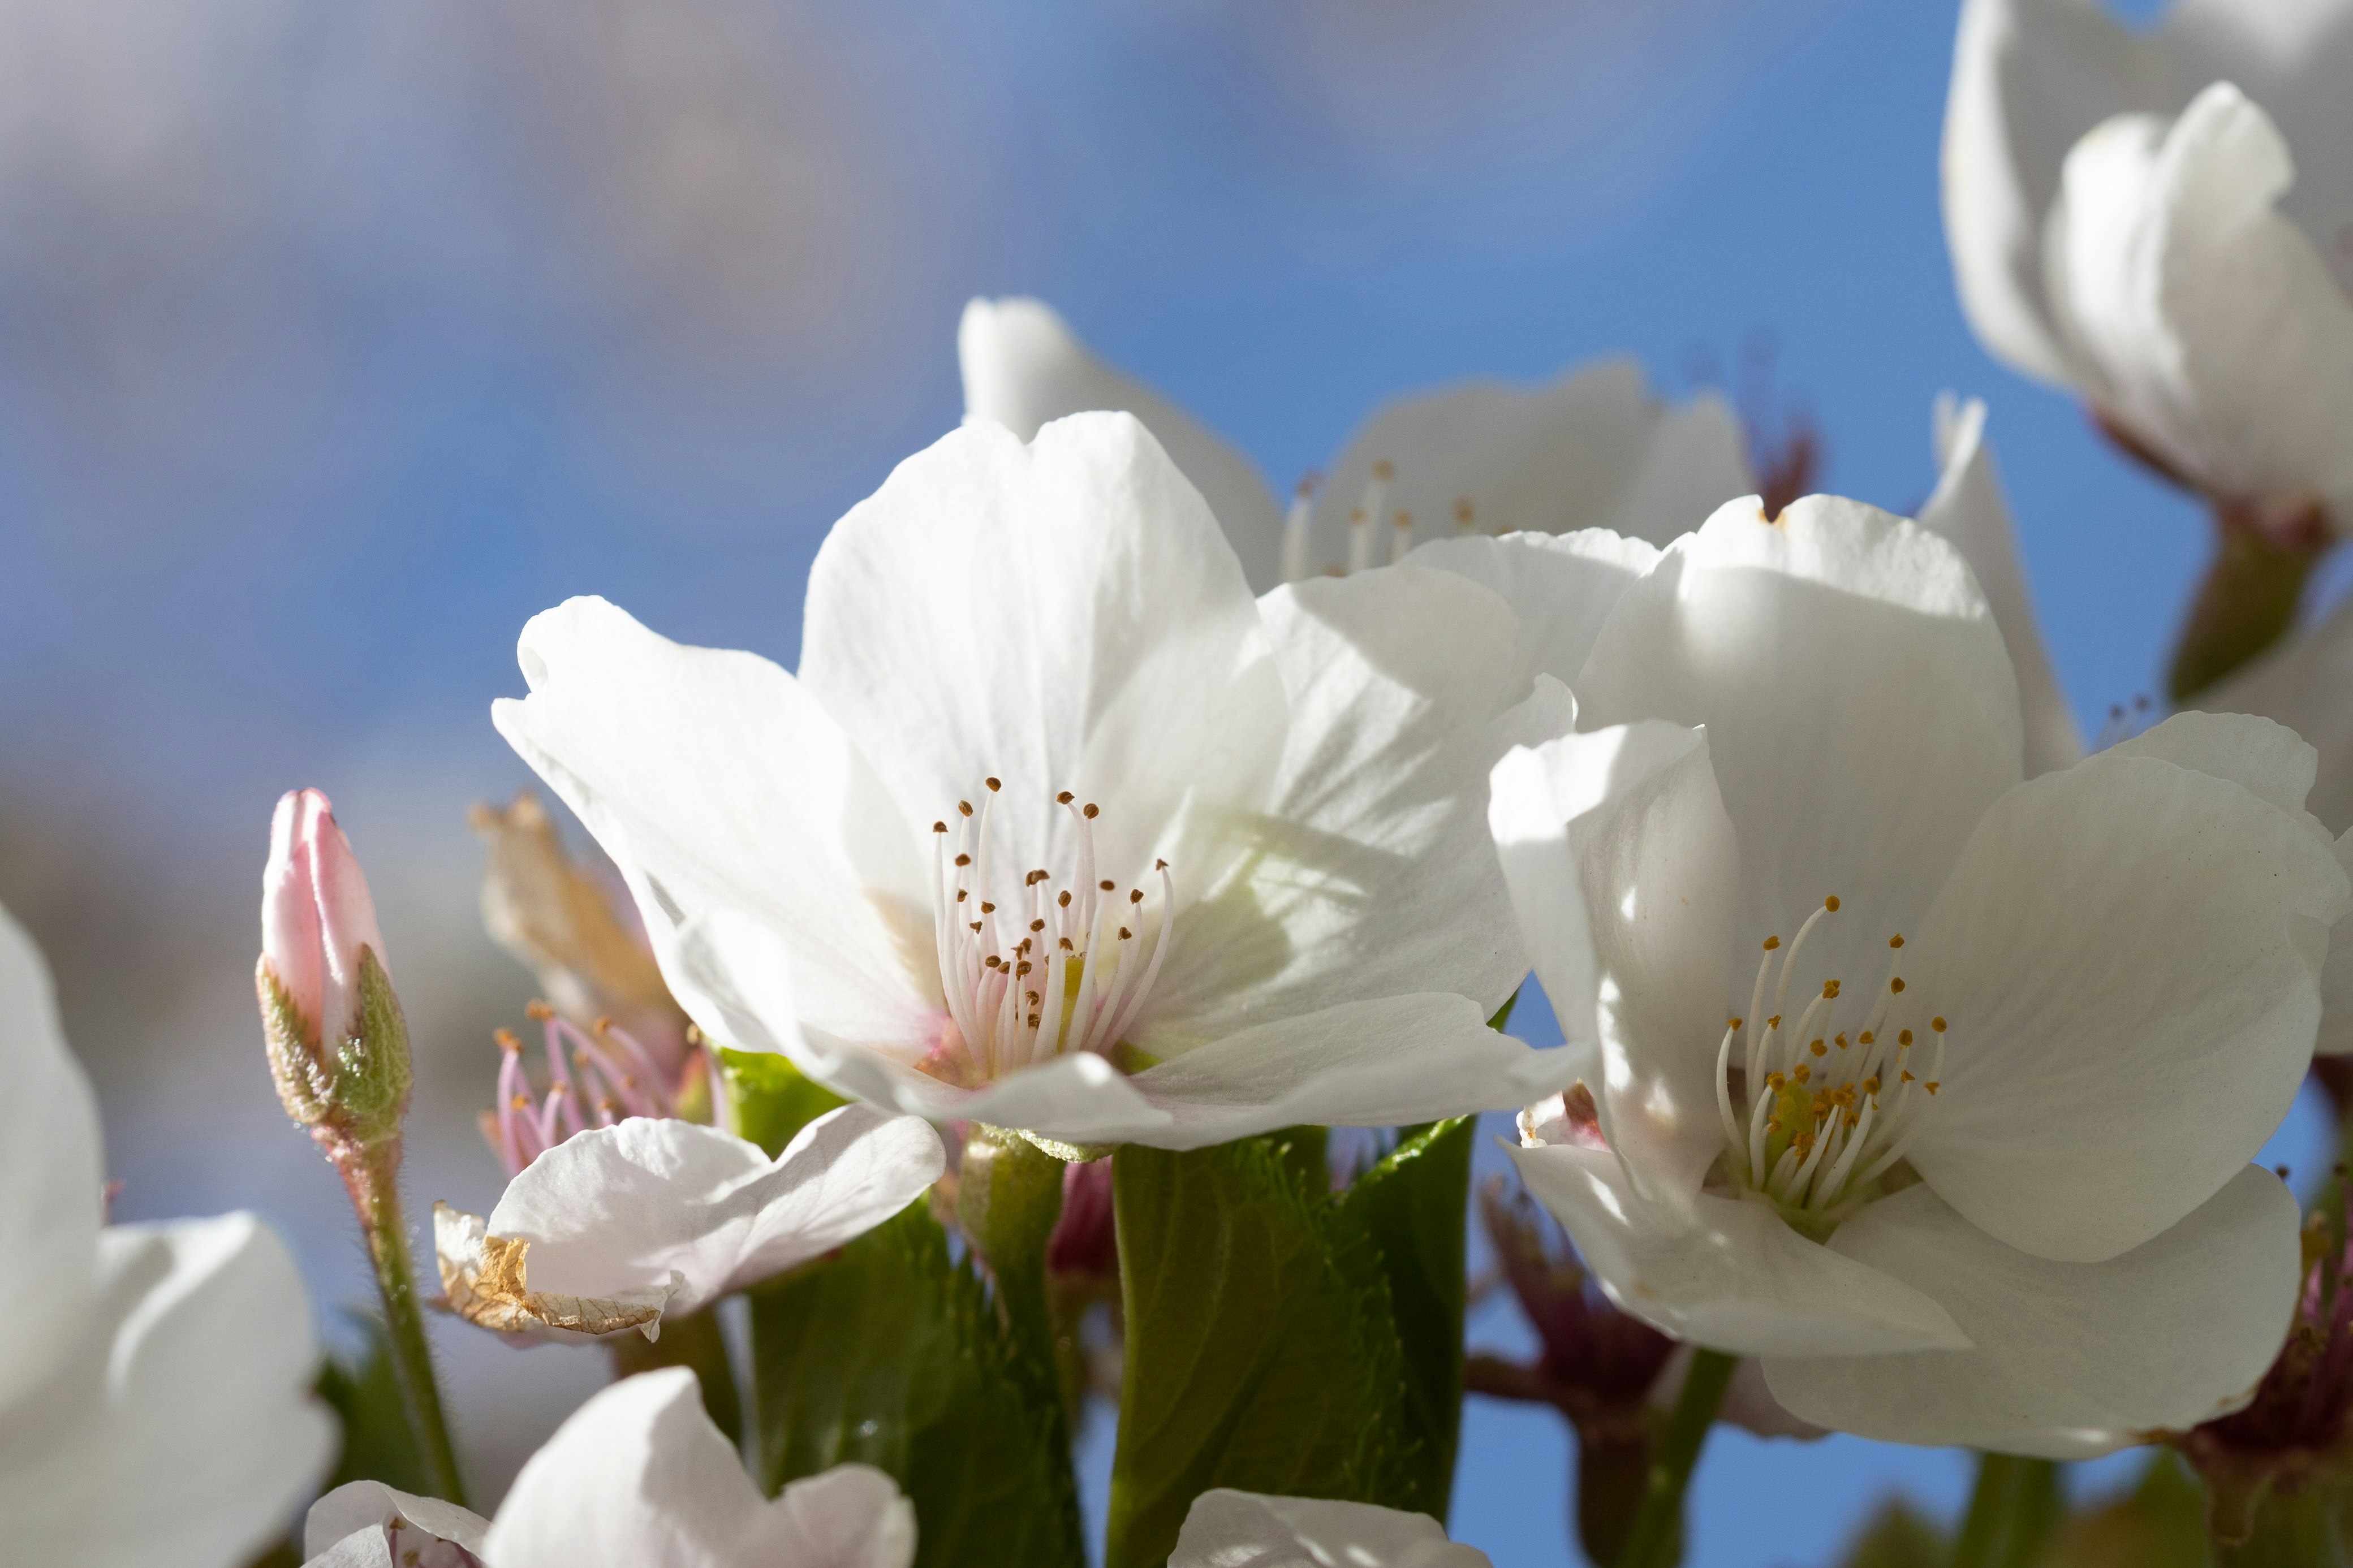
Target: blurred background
{"points": [[336, 341]]}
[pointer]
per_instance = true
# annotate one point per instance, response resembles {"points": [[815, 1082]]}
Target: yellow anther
{"points": [[1731, 1023], [1772, 943], [1938, 1025], [1775, 1079], [1818, 1048], [1840, 1040], [1830, 990], [1903, 1037], [1930, 1085], [1831, 903], [1871, 1084], [1895, 941], [1803, 1073], [1907, 1077], [1896, 984], [1774, 1021], [1866, 1038]]}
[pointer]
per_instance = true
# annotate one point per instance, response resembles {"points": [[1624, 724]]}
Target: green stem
{"points": [[374, 1177], [1009, 1196], [2012, 1512], [696, 1342], [2299, 1529], [1656, 1540]]}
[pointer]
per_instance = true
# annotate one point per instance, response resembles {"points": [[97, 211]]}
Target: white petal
{"points": [[619, 1208], [714, 779], [2336, 1037], [2269, 760], [638, 1475], [1369, 873], [180, 1426], [1385, 1063], [1733, 1277], [2129, 954], [1561, 586], [50, 1177], [1023, 369], [1227, 1528], [1567, 455], [2030, 78], [1860, 707], [2069, 1360], [1622, 868], [1968, 509], [2213, 328], [2306, 684], [1061, 615], [1696, 459], [371, 1505]]}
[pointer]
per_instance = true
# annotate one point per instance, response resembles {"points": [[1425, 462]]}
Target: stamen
{"points": [[1296, 529]]}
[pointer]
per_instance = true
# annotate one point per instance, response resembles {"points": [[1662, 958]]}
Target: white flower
{"points": [[2126, 222], [1967, 1164], [636, 1477], [1044, 745], [1591, 450], [156, 1406], [1227, 1528], [619, 1227]]}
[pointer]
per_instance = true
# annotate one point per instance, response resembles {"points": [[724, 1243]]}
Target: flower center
{"points": [[595, 1078], [1365, 527], [1814, 1116], [1064, 969]]}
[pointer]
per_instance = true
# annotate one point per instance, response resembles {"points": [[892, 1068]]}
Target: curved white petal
{"points": [[1968, 509], [51, 1181], [1227, 1528], [619, 1208], [638, 1475], [2306, 684], [1549, 458], [1860, 706], [2269, 760], [1732, 1277], [1695, 460], [716, 780], [1024, 368], [2030, 78], [1561, 586], [1385, 1063], [363, 1507], [179, 1425], [2129, 955], [1060, 616], [2069, 1360], [1623, 868], [1369, 872], [2205, 322]]}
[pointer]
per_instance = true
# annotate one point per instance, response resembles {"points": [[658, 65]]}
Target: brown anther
{"points": [[939, 827], [1033, 1020], [1896, 984], [987, 908], [1830, 990], [1136, 896], [964, 808], [1069, 946], [538, 1012], [1903, 1037], [1930, 1085], [962, 861], [1125, 934], [1090, 811], [993, 785], [1938, 1025], [1033, 997], [993, 962], [976, 925], [1105, 886], [1160, 864], [1022, 969], [1062, 898], [1771, 944], [1774, 1021], [1033, 878], [962, 894], [1871, 1084], [1866, 1038], [1064, 799], [1037, 925], [1907, 1077], [1895, 941], [1839, 1040]]}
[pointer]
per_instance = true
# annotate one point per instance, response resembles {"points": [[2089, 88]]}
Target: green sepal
{"points": [[1262, 1350], [372, 1068], [769, 1100], [1409, 1212], [890, 1354], [379, 1444], [305, 1083]]}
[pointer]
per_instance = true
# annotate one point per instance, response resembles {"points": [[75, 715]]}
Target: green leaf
{"points": [[379, 1444], [1409, 1212], [769, 1100], [891, 1354], [1261, 1354]]}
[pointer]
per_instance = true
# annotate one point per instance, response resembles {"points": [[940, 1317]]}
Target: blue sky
{"points": [[372, 344]]}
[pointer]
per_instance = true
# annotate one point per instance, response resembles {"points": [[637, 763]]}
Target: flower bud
{"points": [[338, 1045]]}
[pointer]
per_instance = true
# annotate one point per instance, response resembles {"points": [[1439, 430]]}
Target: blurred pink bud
{"points": [[316, 916]]}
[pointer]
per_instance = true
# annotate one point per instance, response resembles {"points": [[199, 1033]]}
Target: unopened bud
{"points": [[338, 1045]]}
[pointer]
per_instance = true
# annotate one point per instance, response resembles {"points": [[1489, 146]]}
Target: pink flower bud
{"points": [[316, 916]]}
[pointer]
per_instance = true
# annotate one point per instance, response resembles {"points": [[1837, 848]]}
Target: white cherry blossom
{"points": [[636, 1477], [1057, 828], [2163, 221], [1228, 1529], [1593, 449], [155, 1403], [1930, 1084], [619, 1227]]}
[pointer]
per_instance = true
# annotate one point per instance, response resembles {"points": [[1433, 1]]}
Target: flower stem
{"points": [[2012, 1512], [1656, 1540], [372, 1175]]}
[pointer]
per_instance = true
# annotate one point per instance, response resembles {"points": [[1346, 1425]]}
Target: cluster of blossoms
{"points": [[1121, 829]]}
